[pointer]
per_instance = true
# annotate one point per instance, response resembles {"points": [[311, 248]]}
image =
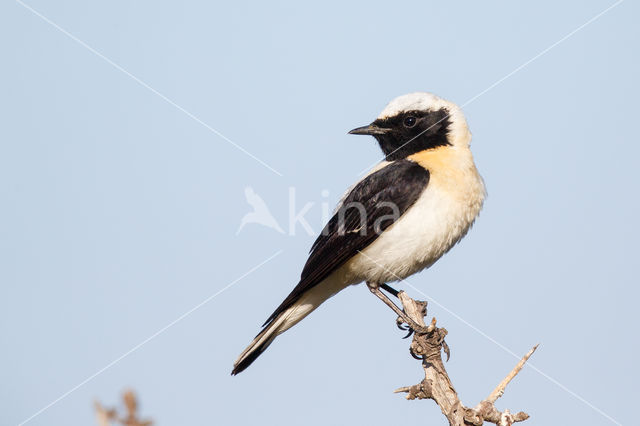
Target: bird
{"points": [[398, 219]]}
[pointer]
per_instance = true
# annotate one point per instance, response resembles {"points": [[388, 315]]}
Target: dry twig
{"points": [[437, 385], [108, 417]]}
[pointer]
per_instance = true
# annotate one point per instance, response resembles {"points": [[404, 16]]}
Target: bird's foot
{"points": [[401, 325], [405, 323], [403, 318], [413, 327]]}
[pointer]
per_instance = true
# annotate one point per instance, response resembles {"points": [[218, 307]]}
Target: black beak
{"points": [[371, 129]]}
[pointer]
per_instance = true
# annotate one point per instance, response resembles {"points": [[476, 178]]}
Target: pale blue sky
{"points": [[119, 211]]}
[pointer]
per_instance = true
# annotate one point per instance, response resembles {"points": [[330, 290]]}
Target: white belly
{"points": [[426, 231]]}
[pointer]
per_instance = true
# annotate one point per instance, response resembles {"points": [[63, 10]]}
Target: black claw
{"points": [[400, 324], [409, 333], [446, 350], [419, 358]]}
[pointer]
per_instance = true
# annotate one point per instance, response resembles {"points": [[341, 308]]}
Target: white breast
{"points": [[436, 222]]}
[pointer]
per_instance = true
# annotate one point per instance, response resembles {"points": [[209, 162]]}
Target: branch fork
{"points": [[427, 345]]}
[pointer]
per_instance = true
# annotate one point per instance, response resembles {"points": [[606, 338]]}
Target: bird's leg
{"points": [[375, 289], [390, 290], [399, 322]]}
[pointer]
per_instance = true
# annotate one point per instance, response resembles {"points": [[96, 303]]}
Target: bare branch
{"points": [[499, 390], [110, 417], [427, 346]]}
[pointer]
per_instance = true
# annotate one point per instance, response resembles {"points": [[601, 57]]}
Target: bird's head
{"points": [[415, 122]]}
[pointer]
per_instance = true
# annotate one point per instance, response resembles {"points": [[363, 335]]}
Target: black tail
{"points": [[257, 346]]}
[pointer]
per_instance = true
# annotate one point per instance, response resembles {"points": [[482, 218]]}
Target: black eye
{"points": [[410, 121]]}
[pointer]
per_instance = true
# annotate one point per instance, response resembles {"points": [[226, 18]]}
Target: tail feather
{"points": [[257, 346], [285, 320]]}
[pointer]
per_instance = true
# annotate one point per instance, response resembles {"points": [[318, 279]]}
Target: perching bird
{"points": [[399, 219]]}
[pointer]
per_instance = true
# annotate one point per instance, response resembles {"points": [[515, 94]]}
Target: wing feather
{"points": [[373, 205]]}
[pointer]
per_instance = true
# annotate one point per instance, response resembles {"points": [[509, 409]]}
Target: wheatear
{"points": [[398, 220]]}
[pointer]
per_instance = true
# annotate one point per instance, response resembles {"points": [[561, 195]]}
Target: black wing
{"points": [[372, 206]]}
